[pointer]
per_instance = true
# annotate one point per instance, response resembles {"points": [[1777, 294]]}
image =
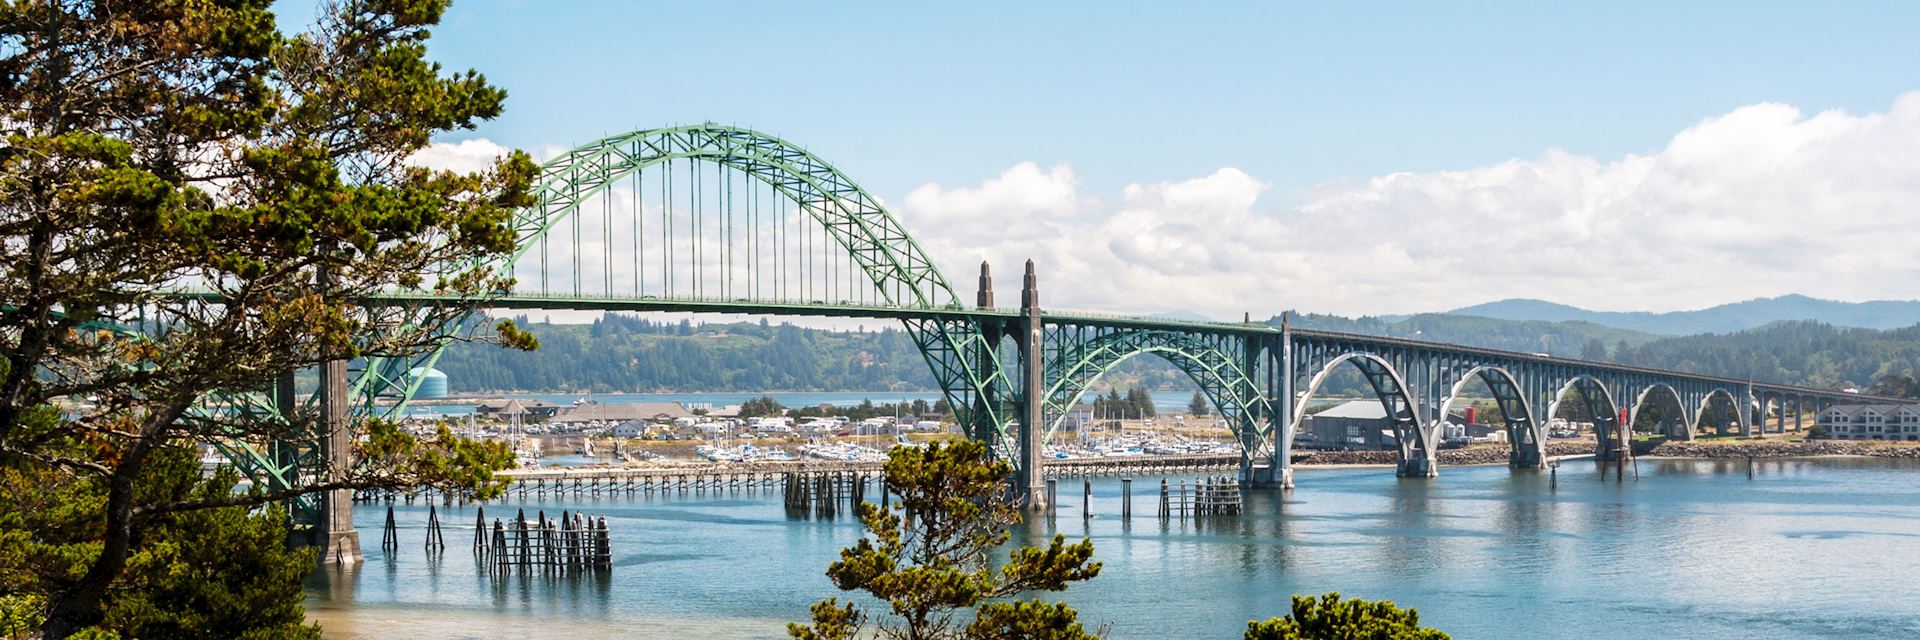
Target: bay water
{"points": [[1804, 548]]}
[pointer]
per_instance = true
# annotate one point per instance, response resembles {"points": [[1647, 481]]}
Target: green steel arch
{"points": [[900, 271], [1213, 362], [896, 265]]}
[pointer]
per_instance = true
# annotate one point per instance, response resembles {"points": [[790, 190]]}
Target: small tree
{"points": [[933, 561], [1198, 405], [1139, 402], [761, 407], [1330, 618]]}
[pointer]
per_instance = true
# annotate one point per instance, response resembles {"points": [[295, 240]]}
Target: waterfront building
{"points": [[508, 408], [631, 429], [1872, 421], [1358, 424], [617, 412], [1079, 418]]}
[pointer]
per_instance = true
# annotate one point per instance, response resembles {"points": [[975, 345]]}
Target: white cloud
{"points": [[1762, 201], [465, 156], [471, 155]]}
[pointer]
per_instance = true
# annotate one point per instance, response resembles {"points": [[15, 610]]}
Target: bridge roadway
{"points": [[844, 309]]}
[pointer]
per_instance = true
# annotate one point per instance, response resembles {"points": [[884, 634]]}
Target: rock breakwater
{"points": [[1497, 454]]}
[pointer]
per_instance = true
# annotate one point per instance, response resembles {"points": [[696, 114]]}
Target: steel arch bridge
{"points": [[719, 219]]}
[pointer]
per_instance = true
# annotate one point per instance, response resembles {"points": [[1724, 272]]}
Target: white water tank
{"points": [[433, 383]]}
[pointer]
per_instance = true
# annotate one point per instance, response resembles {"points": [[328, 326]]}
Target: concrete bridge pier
{"points": [[1526, 456], [1417, 466], [1030, 478], [1269, 476]]}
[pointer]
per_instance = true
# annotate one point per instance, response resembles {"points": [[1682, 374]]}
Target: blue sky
{"points": [[1308, 101], [904, 93]]}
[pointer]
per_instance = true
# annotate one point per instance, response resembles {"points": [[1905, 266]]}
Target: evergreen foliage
{"points": [[1808, 353], [154, 145], [1330, 618], [929, 557], [1136, 404], [625, 353], [761, 407], [1566, 339], [1198, 406]]}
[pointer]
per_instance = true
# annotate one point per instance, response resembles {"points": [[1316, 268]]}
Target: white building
{"points": [[630, 429], [1078, 418], [1872, 421]]}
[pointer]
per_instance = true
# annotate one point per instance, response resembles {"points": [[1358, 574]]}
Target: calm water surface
{"points": [[1812, 548]]}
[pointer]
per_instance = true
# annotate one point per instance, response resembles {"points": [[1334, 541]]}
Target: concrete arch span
{"points": [[1525, 434], [1600, 405], [1739, 409], [1415, 441], [1675, 420]]}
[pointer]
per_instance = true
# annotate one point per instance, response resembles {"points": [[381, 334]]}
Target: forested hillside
{"points": [[1810, 353], [1567, 339], [625, 353]]}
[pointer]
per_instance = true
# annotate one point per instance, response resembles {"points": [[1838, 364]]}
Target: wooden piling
{"points": [[389, 537], [436, 539]]}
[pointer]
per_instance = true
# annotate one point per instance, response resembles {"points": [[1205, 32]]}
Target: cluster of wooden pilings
{"points": [[436, 537], [1208, 496], [1141, 465], [821, 495], [574, 543]]}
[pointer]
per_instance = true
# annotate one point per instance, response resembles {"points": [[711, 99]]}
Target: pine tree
{"points": [[1330, 618], [152, 145], [1198, 406], [1594, 350], [937, 564]]}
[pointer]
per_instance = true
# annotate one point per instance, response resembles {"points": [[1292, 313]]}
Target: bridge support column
{"points": [[339, 541], [1743, 411], [1030, 478], [1612, 434], [1530, 453], [1279, 469], [1420, 465]]}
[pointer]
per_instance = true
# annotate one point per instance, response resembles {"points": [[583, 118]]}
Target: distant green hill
{"points": [[1567, 339], [1726, 318]]}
